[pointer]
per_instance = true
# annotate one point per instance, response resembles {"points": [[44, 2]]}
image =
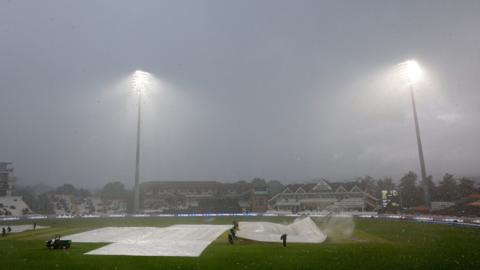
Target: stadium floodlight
{"points": [[412, 72], [140, 82]]}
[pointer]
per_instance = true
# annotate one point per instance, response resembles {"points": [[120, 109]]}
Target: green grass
{"points": [[375, 244]]}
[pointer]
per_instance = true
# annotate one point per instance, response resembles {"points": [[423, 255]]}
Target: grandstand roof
{"points": [[476, 204], [323, 186]]}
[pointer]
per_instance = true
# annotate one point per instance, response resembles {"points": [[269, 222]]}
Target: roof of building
{"points": [[181, 185], [236, 189], [476, 204], [323, 185]]}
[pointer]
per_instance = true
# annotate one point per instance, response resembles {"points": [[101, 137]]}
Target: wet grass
{"points": [[374, 244]]}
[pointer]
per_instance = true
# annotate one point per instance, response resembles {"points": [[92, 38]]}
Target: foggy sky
{"points": [[286, 90]]}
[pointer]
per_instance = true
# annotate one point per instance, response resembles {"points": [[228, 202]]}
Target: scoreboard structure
{"points": [[390, 199]]}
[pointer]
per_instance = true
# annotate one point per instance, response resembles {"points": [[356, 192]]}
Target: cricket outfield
{"points": [[362, 244]]}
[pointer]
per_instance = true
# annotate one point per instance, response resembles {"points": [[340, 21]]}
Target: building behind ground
{"points": [[194, 197], [323, 195], [10, 205], [7, 179], [216, 197]]}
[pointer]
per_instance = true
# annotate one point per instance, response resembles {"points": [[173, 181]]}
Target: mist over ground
{"points": [[273, 89]]}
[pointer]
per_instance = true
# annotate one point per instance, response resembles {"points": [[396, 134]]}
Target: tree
{"points": [[83, 193], [386, 184], [259, 184], [240, 186], [447, 188], [369, 184], [43, 205], [466, 186], [67, 189], [432, 188], [114, 191], [410, 193], [274, 187]]}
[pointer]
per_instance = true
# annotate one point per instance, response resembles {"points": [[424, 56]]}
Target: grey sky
{"points": [[286, 90]]}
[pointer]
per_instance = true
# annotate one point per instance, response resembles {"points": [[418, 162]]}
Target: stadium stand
{"points": [[13, 206]]}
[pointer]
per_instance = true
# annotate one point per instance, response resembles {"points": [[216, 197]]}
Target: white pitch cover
{"points": [[176, 240], [300, 231]]}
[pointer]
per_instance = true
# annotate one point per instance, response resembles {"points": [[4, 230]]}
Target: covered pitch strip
{"points": [[190, 240], [300, 231], [176, 240]]}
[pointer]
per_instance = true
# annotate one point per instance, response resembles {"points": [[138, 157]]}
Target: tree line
{"points": [[449, 189]]}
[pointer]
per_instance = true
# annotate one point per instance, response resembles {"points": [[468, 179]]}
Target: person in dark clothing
{"points": [[9, 229], [284, 239], [233, 233], [34, 225], [3, 232], [230, 239], [235, 225]]}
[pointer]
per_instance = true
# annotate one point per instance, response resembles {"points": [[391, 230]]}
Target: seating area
{"points": [[13, 206], [62, 204], [74, 205]]}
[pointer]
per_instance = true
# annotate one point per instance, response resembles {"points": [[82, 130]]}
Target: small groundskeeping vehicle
{"points": [[57, 243]]}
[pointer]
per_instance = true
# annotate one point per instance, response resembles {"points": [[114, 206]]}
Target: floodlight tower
{"points": [[414, 74], [140, 81]]}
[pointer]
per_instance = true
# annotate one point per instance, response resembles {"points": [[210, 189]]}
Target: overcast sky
{"points": [[286, 90]]}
